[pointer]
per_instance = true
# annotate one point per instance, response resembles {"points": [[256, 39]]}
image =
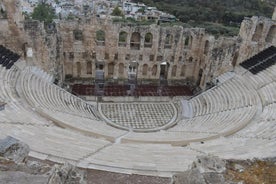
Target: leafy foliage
{"points": [[117, 12], [43, 12], [223, 15]]}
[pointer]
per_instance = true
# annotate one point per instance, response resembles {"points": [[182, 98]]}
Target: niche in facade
{"points": [[78, 69], [121, 68], [89, 67], [258, 32], [145, 70], [188, 42], [122, 39], [271, 35], [168, 41], [183, 70], [78, 35], [154, 70], [148, 40], [110, 68], [100, 38], [206, 48], [174, 69], [135, 41]]}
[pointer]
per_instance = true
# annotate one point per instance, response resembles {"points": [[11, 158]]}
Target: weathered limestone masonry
{"points": [[73, 48], [11, 34], [257, 33], [20, 36], [189, 54]]}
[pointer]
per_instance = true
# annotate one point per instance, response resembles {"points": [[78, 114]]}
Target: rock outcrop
{"points": [[66, 173], [205, 170], [14, 150]]}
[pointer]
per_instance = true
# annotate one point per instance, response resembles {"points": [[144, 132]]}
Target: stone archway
{"points": [[135, 41], [174, 69], [164, 68], [271, 35], [258, 32], [145, 70], [78, 69]]}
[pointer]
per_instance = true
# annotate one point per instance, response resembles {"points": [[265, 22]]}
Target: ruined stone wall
{"points": [[11, 34], [191, 54], [71, 48], [256, 34], [19, 35], [183, 49]]}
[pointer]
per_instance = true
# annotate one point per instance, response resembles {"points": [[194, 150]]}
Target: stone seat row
{"points": [[237, 148], [263, 127], [42, 94], [230, 95]]}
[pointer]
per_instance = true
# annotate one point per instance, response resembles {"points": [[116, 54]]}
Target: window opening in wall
{"points": [[148, 40], [122, 39], [78, 35], [145, 70], [154, 70], [183, 70], [174, 68], [100, 38], [151, 57], [78, 69], [164, 68], [140, 57], [135, 41], [127, 57], [271, 35], [159, 58], [258, 32], [121, 68], [206, 48], [168, 41], [89, 67]]}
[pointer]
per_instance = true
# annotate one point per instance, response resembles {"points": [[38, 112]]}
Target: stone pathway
{"points": [[138, 116]]}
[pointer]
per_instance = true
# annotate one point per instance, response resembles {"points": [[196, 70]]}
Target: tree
{"points": [[43, 12], [117, 12]]}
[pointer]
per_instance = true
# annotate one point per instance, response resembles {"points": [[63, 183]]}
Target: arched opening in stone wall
{"points": [[145, 70], [135, 41], [235, 58], [78, 69], [206, 47], [271, 34], [258, 32], [164, 68], [78, 35], [148, 40], [191, 59], [174, 69], [199, 77], [188, 42], [122, 39], [100, 38], [110, 68], [183, 70], [168, 41], [121, 69], [88, 67], [154, 70]]}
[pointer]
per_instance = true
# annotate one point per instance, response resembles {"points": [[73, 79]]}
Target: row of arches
{"points": [[259, 31], [135, 40], [146, 69]]}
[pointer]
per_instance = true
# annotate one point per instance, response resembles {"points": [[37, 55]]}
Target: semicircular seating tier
{"points": [[230, 120]]}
